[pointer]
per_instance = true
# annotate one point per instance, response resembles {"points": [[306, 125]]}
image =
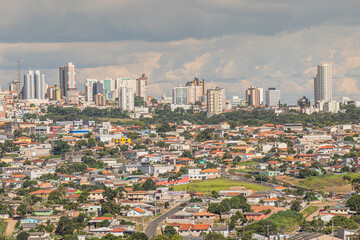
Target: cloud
{"points": [[231, 44]]}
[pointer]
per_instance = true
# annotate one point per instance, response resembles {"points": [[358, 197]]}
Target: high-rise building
{"points": [[67, 77], [261, 96], [98, 87], [252, 96], [126, 98], [89, 97], [197, 82], [194, 94], [303, 102], [99, 99], [141, 87], [15, 86], [273, 97], [215, 101], [323, 83], [180, 95], [34, 85]]}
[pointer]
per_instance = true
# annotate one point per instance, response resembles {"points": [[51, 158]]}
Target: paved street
{"points": [[150, 230]]}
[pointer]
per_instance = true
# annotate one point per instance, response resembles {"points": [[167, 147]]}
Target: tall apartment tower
{"points": [[273, 97], [323, 83], [89, 84], [67, 77], [215, 101], [197, 82], [252, 96], [141, 87], [126, 98], [34, 85]]}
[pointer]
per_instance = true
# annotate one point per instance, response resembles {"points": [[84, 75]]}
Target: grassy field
{"points": [[217, 184], [308, 211], [328, 183], [51, 157]]}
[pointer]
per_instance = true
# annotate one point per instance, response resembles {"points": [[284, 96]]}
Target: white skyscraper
{"points": [[34, 85], [273, 97], [141, 87], [261, 96], [323, 83], [126, 98]]}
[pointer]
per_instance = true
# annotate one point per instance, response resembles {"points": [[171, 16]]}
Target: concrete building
{"points": [[215, 101], [34, 85], [273, 97], [126, 98], [194, 94], [323, 83], [180, 95], [89, 97], [199, 83], [252, 96], [67, 77], [141, 87], [99, 99]]}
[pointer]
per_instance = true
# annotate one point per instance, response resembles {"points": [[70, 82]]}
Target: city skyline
{"points": [[218, 42]]}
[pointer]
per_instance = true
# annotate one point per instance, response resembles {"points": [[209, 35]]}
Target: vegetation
{"points": [[217, 185], [309, 210]]}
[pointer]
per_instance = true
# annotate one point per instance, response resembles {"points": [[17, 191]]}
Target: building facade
{"points": [[273, 97], [126, 98], [323, 83], [67, 78], [252, 96], [215, 101]]}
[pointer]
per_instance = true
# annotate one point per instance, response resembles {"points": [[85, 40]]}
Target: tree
{"points": [[310, 196], [60, 147], [49, 228], [139, 101], [23, 236], [187, 154], [149, 184], [295, 206], [138, 236], [214, 194], [169, 231], [91, 142], [354, 203], [355, 184]]}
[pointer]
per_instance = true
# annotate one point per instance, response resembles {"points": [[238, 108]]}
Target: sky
{"points": [[230, 43]]}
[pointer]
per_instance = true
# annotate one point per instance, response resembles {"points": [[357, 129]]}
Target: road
{"points": [[151, 228]]}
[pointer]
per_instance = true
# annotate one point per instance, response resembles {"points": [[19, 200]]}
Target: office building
{"points": [[67, 77], [323, 83], [252, 96], [197, 82], [180, 95], [141, 87], [34, 85], [273, 97], [126, 98], [215, 101]]}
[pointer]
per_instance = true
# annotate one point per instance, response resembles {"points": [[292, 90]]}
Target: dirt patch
{"points": [[10, 229]]}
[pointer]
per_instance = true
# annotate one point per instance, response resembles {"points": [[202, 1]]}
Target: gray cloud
{"points": [[230, 43]]}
